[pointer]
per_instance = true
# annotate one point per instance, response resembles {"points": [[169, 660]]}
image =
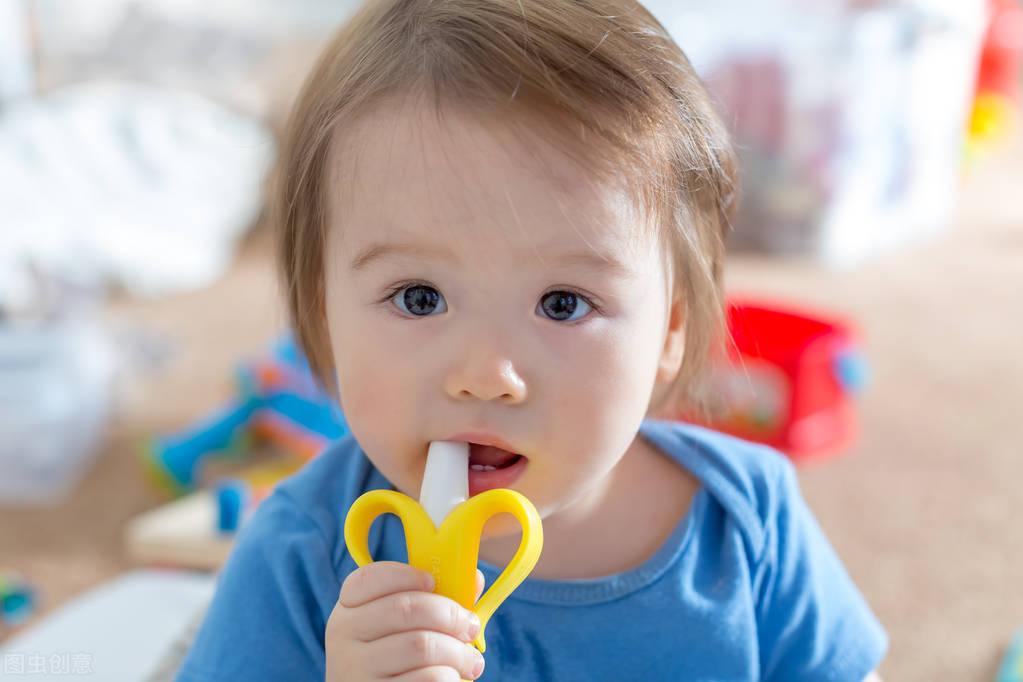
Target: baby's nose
{"points": [[485, 376]]}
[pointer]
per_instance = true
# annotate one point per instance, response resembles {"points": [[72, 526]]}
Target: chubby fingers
{"points": [[392, 597], [403, 629], [380, 579], [408, 611], [406, 652]]}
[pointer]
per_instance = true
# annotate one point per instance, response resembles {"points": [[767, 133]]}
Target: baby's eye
{"points": [[419, 300], [562, 305]]}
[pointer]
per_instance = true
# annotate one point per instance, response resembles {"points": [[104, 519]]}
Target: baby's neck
{"points": [[615, 528]]}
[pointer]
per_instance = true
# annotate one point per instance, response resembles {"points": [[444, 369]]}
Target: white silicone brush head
{"points": [[446, 480]]}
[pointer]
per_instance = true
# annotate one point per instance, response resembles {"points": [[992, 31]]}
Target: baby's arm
{"points": [[271, 605], [814, 623]]}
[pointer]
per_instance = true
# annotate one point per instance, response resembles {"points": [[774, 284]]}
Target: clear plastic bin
{"points": [[849, 115], [55, 401]]}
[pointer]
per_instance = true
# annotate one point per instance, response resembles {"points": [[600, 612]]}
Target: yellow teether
{"points": [[451, 550]]}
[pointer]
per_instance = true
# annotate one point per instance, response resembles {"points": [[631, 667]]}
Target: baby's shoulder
{"points": [[341, 472], [751, 482], [321, 492]]}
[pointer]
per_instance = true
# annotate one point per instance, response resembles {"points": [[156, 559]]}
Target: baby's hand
{"points": [[387, 623]]}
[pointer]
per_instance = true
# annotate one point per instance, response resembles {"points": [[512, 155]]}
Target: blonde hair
{"points": [[606, 69]]}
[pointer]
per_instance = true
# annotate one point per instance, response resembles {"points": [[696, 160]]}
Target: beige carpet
{"points": [[926, 509]]}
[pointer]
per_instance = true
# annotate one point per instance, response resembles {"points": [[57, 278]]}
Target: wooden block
{"points": [[181, 533]]}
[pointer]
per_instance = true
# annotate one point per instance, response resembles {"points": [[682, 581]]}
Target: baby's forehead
{"points": [[398, 135], [401, 166]]}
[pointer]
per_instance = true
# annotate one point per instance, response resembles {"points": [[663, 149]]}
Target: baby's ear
{"points": [[674, 344]]}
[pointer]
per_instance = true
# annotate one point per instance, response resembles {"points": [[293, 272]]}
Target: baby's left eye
{"points": [[419, 300], [562, 306]]}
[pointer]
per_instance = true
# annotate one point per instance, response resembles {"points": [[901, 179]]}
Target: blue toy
{"points": [[232, 495], [1012, 666], [277, 401], [17, 598]]}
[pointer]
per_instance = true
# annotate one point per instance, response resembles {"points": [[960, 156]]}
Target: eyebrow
{"points": [[381, 251]]}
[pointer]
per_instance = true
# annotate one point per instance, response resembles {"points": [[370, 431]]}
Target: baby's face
{"points": [[480, 285]]}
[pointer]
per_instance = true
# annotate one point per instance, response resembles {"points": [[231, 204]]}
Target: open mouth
{"points": [[491, 467], [490, 458]]}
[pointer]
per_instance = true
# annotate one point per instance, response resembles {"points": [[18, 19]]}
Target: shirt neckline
{"points": [[587, 591]]}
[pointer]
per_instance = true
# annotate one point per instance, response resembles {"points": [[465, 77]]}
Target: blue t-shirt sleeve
{"points": [[271, 604], [813, 622]]}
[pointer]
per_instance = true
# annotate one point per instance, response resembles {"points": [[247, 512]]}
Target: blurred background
{"points": [[150, 396]]}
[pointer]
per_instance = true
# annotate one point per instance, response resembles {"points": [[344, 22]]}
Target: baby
{"points": [[501, 222]]}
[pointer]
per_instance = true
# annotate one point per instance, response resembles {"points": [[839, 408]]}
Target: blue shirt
{"points": [[746, 588]]}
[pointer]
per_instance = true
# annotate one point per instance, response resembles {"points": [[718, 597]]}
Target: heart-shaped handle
{"points": [[372, 504], [470, 516], [451, 552]]}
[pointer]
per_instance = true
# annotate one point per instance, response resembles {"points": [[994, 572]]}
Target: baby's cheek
{"points": [[375, 417], [613, 397], [610, 415], [368, 396], [367, 383]]}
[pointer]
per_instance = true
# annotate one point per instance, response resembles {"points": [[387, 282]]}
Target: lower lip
{"points": [[481, 481]]}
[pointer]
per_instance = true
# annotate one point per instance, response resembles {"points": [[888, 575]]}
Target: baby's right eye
{"points": [[419, 300]]}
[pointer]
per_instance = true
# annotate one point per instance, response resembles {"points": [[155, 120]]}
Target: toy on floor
{"points": [[233, 496], [198, 530], [277, 401], [787, 380], [17, 598], [996, 107], [1012, 666]]}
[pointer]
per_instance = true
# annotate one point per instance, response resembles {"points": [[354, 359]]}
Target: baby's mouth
{"points": [[491, 467], [490, 457]]}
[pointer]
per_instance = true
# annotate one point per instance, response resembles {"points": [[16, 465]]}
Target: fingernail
{"points": [[474, 626], [429, 582], [477, 669]]}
